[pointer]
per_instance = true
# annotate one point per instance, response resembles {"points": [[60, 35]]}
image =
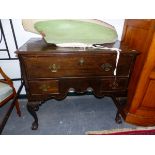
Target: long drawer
{"points": [[69, 65]]}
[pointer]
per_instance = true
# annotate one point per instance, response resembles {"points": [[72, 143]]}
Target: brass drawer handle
{"points": [[106, 67], [44, 87], [114, 85], [81, 61], [54, 68]]}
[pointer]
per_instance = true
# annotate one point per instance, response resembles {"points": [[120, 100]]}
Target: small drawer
{"points": [[44, 87], [110, 84]]}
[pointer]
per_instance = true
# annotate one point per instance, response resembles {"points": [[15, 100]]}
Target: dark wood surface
{"points": [[38, 45], [50, 72]]}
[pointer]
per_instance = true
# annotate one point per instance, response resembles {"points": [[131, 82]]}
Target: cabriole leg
{"points": [[118, 118], [32, 107]]}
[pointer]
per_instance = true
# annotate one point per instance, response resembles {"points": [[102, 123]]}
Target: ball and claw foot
{"points": [[32, 110], [118, 118], [34, 126]]}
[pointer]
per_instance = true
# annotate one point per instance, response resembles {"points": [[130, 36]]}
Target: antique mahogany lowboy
{"points": [[51, 72]]}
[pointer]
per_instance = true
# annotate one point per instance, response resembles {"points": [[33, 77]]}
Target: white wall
{"points": [[11, 67]]}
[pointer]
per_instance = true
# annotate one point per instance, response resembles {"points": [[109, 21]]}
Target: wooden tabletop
{"points": [[39, 45]]}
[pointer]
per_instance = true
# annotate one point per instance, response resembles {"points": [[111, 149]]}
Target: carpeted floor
{"points": [[72, 116]]}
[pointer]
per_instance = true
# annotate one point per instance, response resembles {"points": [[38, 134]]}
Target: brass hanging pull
{"points": [[114, 85], [106, 67], [44, 87], [54, 68]]}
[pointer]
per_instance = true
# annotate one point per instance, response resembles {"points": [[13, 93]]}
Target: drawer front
{"points": [[110, 84], [43, 87], [69, 65]]}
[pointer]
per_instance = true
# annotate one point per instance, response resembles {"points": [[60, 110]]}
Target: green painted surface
{"points": [[75, 31]]}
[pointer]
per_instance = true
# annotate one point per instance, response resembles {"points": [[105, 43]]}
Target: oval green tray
{"points": [[75, 31]]}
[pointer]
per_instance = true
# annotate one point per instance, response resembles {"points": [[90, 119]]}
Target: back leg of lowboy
{"points": [[32, 110], [118, 118]]}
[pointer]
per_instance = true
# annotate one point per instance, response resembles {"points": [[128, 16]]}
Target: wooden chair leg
{"points": [[17, 104], [18, 108]]}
